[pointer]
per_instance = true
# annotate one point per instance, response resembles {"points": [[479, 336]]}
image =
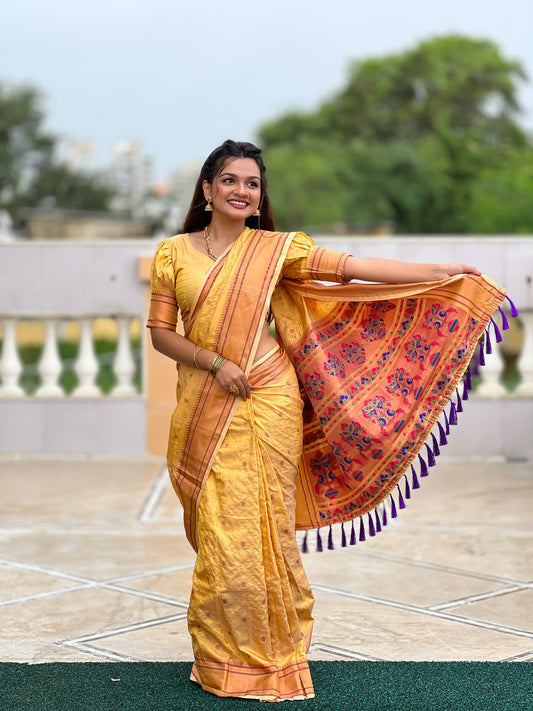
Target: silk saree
{"points": [[372, 366]]}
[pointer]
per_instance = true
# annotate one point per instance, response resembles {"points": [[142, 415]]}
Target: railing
{"points": [[57, 284], [124, 362]]}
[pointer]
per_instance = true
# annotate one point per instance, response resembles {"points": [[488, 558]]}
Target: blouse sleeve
{"points": [[163, 306], [305, 260]]}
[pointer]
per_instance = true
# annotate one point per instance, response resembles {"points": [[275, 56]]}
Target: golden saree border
{"points": [[377, 365], [263, 683], [227, 318]]}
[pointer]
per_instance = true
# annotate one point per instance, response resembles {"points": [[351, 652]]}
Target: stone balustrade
{"points": [[54, 283]]}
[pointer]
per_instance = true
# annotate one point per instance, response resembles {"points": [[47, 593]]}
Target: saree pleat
{"points": [[250, 615]]}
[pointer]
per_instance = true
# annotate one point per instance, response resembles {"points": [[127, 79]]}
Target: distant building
{"points": [[130, 175], [81, 156]]}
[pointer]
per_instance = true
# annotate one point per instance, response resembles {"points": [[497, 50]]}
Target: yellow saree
{"points": [[373, 367]]}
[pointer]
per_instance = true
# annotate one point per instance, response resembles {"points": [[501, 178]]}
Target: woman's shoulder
{"points": [[176, 244]]}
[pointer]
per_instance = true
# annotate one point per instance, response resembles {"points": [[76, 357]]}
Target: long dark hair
{"points": [[197, 218]]}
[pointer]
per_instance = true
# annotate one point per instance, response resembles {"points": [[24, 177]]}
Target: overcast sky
{"points": [[181, 76]]}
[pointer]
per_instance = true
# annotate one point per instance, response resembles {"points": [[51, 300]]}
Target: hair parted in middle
{"points": [[197, 218]]}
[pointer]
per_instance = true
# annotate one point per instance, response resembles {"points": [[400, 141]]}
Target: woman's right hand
{"points": [[230, 376]]}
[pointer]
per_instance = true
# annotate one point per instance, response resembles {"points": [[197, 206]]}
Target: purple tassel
{"points": [[442, 435], [459, 403], [331, 547], [343, 539], [407, 488], [453, 414], [430, 456], [488, 344], [436, 450], [352, 535], [416, 484], [423, 466], [318, 542], [384, 516], [505, 322], [400, 498], [468, 379], [393, 512], [371, 529], [378, 521], [514, 310], [465, 390], [499, 337], [305, 549], [481, 353], [362, 536], [446, 423]]}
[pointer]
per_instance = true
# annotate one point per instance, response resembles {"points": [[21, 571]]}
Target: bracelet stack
{"points": [[216, 365]]}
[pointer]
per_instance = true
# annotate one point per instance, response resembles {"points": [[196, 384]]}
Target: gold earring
{"points": [[208, 207], [257, 213]]}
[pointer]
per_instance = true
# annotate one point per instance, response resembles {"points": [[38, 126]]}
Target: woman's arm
{"points": [[388, 271], [180, 349]]}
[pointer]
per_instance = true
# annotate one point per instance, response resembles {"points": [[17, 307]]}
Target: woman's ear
{"points": [[207, 189]]}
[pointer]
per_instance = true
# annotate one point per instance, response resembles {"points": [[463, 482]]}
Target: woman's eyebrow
{"points": [[233, 175]]}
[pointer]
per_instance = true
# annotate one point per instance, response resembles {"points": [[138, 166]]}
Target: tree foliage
{"points": [[409, 138], [30, 174]]}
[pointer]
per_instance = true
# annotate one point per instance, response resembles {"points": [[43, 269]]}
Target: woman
{"points": [[248, 468]]}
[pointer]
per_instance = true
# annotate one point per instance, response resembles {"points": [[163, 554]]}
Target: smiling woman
{"points": [[271, 434]]}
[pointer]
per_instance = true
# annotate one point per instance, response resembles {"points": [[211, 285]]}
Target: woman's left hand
{"points": [[444, 271]]}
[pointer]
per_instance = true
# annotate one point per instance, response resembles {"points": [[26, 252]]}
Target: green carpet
{"points": [[354, 686]]}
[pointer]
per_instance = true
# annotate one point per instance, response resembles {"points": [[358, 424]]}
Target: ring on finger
{"points": [[233, 389]]}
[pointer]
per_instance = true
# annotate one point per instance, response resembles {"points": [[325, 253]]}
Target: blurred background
{"points": [[394, 129]]}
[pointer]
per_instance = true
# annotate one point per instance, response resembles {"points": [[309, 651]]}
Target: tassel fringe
{"points": [[376, 523]]}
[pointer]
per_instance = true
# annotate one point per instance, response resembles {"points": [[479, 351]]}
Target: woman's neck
{"points": [[222, 232]]}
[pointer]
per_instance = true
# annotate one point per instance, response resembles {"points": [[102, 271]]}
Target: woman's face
{"points": [[236, 190]]}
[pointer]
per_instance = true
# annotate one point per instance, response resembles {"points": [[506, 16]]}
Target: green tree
{"points": [[422, 126], [29, 171]]}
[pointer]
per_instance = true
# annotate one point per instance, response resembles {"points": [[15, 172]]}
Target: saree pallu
{"points": [[250, 612], [377, 365]]}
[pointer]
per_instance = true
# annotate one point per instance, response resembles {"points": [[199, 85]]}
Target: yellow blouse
{"points": [[179, 269]]}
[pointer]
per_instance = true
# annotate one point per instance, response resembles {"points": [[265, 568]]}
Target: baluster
{"points": [[50, 365], [86, 366], [525, 359], [490, 374], [10, 363], [124, 365]]}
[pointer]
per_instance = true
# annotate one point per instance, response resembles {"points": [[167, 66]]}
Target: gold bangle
{"points": [[196, 349], [216, 365]]}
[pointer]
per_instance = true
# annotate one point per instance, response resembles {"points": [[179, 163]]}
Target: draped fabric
{"points": [[377, 364], [371, 367]]}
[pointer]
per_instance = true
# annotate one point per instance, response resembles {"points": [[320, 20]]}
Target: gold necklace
{"points": [[208, 245]]}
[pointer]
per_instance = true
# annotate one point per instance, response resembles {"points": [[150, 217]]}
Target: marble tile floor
{"points": [[95, 566]]}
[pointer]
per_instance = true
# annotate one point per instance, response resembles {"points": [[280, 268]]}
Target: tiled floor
{"points": [[95, 566]]}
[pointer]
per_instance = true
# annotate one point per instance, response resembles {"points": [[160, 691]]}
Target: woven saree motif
{"points": [[376, 370]]}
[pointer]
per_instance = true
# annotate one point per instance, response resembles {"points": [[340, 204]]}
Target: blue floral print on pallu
{"points": [[353, 353], [437, 317], [314, 385], [323, 469], [380, 411], [409, 315], [341, 455], [373, 329], [401, 383], [334, 366], [419, 350]]}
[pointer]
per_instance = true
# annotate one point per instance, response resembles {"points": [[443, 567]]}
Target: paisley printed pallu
{"points": [[377, 365]]}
